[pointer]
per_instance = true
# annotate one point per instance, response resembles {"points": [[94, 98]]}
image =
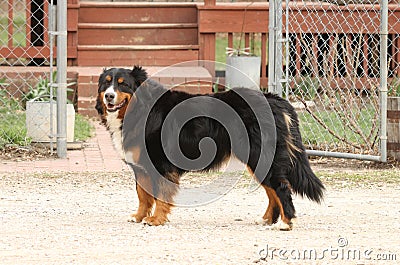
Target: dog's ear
{"points": [[101, 78], [99, 105], [101, 110], [139, 74]]}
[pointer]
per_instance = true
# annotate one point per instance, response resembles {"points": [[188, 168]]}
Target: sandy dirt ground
{"points": [[82, 219]]}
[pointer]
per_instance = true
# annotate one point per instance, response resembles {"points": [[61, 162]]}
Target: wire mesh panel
{"points": [[333, 72], [24, 70]]}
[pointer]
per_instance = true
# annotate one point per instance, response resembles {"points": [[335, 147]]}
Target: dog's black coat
{"points": [[288, 168]]}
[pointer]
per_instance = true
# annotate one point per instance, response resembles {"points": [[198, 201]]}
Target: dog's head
{"points": [[116, 88]]}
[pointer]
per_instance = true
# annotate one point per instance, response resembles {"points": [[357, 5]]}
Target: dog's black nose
{"points": [[109, 96]]}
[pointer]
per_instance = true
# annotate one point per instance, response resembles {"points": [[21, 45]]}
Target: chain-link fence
{"points": [[24, 71], [333, 70]]}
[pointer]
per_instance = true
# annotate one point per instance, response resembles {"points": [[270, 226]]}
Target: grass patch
{"points": [[83, 128], [364, 178], [313, 133], [19, 31], [13, 129], [12, 122], [370, 178]]}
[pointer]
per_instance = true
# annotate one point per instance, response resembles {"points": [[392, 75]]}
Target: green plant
{"points": [[394, 87], [3, 81], [306, 88], [42, 91], [215, 86], [7, 103]]}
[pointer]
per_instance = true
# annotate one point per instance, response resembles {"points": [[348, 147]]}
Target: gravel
{"points": [[82, 219]]}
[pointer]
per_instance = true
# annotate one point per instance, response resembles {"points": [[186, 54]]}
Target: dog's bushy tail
{"points": [[303, 180], [301, 177]]}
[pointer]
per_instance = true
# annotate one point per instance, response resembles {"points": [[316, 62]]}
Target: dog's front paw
{"points": [[135, 218], [262, 221], [155, 220], [282, 226]]}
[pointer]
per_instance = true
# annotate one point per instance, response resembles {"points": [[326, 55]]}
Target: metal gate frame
{"points": [[58, 29], [277, 78]]}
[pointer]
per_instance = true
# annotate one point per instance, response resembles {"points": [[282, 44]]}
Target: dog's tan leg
{"points": [[286, 224], [275, 202], [168, 187], [146, 200], [271, 214], [272, 204], [161, 212]]}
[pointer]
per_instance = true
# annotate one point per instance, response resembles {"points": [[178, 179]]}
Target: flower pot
{"points": [[38, 121], [243, 71]]}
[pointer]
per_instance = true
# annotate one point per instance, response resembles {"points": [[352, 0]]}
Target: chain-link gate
{"points": [[26, 76], [333, 66]]}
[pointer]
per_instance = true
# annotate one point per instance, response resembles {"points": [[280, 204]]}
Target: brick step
{"points": [[137, 12], [137, 33], [155, 55]]}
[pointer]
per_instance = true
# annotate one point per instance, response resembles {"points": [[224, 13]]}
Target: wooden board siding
{"points": [[393, 127], [136, 34], [134, 56]]}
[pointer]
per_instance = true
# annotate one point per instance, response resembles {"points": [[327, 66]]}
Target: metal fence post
{"points": [[278, 47], [383, 80], [62, 79], [275, 53], [52, 29], [271, 47]]}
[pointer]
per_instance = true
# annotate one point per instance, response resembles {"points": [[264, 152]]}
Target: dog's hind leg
{"points": [[272, 213], [276, 207], [146, 200], [284, 195]]}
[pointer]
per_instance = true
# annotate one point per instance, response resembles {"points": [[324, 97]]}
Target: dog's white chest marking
{"points": [[115, 126]]}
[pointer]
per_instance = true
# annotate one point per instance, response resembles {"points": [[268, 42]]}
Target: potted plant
{"points": [[41, 112], [243, 68]]}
